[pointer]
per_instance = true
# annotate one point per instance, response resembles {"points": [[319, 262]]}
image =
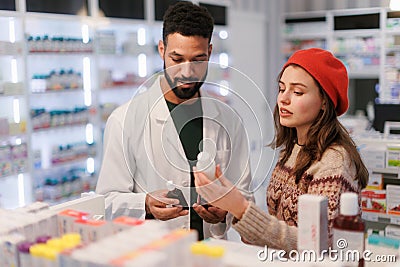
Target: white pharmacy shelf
{"points": [[381, 217]]}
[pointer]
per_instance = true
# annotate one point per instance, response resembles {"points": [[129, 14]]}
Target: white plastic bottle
{"points": [[206, 164]]}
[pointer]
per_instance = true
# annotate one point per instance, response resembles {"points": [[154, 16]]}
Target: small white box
{"points": [[312, 223], [392, 231], [66, 220], [125, 222], [393, 199], [393, 156], [91, 230], [373, 156]]}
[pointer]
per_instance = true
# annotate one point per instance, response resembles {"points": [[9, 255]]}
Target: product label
{"points": [[349, 244]]}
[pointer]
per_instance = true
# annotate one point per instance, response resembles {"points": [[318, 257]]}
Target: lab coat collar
{"points": [[160, 112]]}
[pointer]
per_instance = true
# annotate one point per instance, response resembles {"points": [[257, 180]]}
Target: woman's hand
{"points": [[224, 196]]}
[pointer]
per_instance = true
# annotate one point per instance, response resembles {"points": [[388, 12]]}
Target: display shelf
{"points": [[14, 167], [124, 60], [368, 74], [120, 87], [110, 57], [61, 53], [364, 33], [381, 217], [14, 174], [13, 136], [387, 170], [11, 95], [53, 91], [81, 161], [367, 40], [61, 69], [59, 128]]}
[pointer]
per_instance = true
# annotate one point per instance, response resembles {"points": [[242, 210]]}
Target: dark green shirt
{"points": [[188, 120]]}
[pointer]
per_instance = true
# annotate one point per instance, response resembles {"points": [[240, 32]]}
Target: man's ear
{"points": [[210, 47], [161, 49]]}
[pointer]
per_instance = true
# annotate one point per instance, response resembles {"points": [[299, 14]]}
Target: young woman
{"points": [[317, 154]]}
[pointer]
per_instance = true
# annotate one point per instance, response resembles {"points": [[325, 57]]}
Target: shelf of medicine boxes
{"points": [[359, 49], [124, 54], [305, 30], [376, 220], [60, 65], [15, 179], [390, 87], [13, 143]]}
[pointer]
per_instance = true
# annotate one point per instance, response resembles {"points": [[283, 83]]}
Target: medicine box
{"points": [[393, 199], [373, 200], [312, 223], [393, 156], [373, 156]]}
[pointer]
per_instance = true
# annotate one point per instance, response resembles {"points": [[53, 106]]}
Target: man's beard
{"points": [[184, 93]]}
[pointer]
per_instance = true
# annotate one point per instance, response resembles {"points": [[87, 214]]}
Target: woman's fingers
{"points": [[224, 182], [218, 171], [200, 178]]}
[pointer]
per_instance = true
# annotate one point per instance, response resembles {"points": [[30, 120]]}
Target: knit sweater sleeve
{"points": [[332, 175], [260, 228]]}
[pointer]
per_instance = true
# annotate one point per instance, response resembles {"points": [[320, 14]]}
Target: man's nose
{"points": [[187, 69]]}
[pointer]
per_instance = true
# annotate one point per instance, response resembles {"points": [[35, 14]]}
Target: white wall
{"points": [[255, 41]]}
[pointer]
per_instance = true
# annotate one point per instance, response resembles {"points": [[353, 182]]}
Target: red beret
{"points": [[328, 70]]}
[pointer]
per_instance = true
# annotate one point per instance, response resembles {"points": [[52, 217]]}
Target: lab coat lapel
{"points": [[167, 148], [211, 124]]}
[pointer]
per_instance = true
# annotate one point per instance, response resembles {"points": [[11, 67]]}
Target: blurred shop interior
{"points": [[66, 65]]}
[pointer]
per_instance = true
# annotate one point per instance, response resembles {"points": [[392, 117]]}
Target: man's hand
{"points": [[211, 214], [161, 207]]}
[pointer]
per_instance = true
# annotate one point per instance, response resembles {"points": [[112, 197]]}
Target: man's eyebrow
{"points": [[174, 53]]}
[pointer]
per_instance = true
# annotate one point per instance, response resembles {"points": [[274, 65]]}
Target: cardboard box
{"points": [[373, 200], [373, 156], [393, 156], [375, 181], [393, 199], [312, 223], [66, 220]]}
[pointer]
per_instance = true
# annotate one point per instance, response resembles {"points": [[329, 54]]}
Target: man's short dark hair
{"points": [[187, 19]]}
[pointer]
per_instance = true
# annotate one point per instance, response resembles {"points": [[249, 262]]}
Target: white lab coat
{"points": [[142, 151]]}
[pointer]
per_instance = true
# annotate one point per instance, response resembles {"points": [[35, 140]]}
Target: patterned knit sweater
{"points": [[331, 176]]}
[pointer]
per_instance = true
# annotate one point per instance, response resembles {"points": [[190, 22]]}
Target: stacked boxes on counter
{"points": [[38, 235]]}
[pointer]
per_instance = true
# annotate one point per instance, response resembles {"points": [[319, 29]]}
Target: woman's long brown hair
{"points": [[325, 131]]}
